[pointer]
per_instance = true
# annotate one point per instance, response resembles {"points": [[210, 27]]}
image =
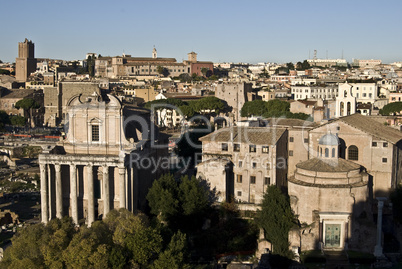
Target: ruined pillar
{"points": [[73, 193], [122, 187], [106, 191], [59, 192], [378, 246], [49, 193], [91, 200], [43, 194]]}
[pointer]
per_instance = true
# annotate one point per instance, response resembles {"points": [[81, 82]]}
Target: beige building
{"points": [[25, 63], [329, 195], [100, 165], [369, 143], [235, 94], [56, 98], [240, 162]]}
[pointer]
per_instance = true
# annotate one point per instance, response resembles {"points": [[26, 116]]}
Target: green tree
{"points": [[17, 120], [254, 108], [290, 66], [305, 65], [4, 72], [276, 218], [163, 197], [91, 66], [181, 204], [185, 77], [187, 111], [204, 71], [4, 119], [89, 247], [208, 104], [163, 71], [134, 234], [27, 104], [25, 251], [175, 255], [194, 198], [394, 108]]}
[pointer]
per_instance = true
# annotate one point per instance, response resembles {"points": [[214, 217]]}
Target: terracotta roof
{"points": [[373, 127], [319, 165], [249, 135]]}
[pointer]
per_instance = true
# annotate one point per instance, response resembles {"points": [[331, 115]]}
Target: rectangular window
{"points": [[252, 180], [240, 163], [291, 139], [267, 180], [305, 140], [265, 149], [384, 160], [95, 132], [290, 152], [374, 144], [254, 165], [239, 179], [239, 193], [236, 147], [252, 148], [224, 147], [385, 144]]}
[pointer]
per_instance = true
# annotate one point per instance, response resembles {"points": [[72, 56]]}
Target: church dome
{"points": [[329, 140]]}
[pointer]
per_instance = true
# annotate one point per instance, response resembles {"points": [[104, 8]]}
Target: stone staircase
{"points": [[336, 259]]}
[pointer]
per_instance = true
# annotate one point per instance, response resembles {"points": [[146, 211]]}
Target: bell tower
{"points": [[154, 53]]}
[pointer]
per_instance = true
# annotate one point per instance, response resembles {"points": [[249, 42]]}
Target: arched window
{"points": [[353, 153], [326, 153], [333, 153]]}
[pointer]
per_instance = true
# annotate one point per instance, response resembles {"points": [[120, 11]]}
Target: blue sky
{"points": [[220, 31]]}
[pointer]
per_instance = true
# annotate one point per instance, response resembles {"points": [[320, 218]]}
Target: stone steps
{"points": [[336, 260]]}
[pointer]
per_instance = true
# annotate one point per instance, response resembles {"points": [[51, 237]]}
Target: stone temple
{"points": [[329, 195], [96, 168]]}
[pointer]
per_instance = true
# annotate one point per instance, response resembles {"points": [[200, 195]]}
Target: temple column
{"points": [[59, 193], [378, 246], [91, 205], [122, 187], [49, 179], [43, 194], [73, 193], [106, 191]]}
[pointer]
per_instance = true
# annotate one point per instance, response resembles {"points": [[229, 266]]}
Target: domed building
{"points": [[327, 194]]}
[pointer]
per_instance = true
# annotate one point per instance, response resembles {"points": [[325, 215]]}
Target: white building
{"points": [[325, 92]]}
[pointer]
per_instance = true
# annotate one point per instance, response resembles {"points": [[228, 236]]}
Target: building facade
{"points": [[98, 166], [235, 94], [240, 162]]}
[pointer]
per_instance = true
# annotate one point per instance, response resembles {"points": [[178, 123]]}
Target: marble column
{"points": [[91, 200], [49, 192], [106, 191], [43, 194], [59, 193], [378, 246], [73, 193], [122, 187]]}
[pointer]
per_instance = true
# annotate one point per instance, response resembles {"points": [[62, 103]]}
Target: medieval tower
{"points": [[25, 62]]}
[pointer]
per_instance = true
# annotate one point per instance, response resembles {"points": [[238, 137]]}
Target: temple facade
{"points": [[103, 163]]}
